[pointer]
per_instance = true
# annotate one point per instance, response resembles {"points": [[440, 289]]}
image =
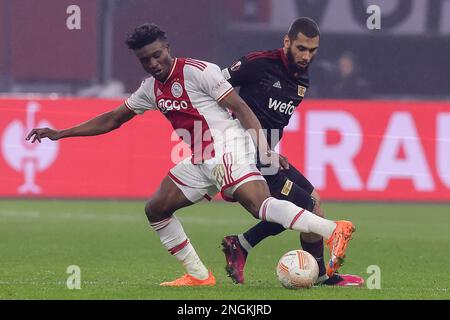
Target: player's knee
{"points": [[252, 195], [148, 211], [156, 211], [276, 183], [253, 206]]}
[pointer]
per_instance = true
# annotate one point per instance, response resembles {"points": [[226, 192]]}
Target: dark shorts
{"points": [[292, 174]]}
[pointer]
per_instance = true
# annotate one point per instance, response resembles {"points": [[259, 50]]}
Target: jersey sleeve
{"points": [[143, 99], [240, 72], [212, 82]]}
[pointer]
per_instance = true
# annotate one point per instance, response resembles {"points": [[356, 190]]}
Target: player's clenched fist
{"points": [[39, 133]]}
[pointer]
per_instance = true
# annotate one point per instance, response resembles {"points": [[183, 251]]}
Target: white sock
{"points": [[244, 243], [292, 217], [174, 238]]}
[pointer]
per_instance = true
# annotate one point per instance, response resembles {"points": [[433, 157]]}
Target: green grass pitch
{"points": [[120, 257]]}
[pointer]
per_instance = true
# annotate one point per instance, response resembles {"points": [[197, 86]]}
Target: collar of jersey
{"points": [[171, 71], [285, 61]]}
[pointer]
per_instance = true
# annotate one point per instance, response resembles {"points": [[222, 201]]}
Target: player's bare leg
{"points": [[160, 213], [255, 197], [317, 210]]}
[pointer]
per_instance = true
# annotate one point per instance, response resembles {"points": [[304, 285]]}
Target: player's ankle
{"points": [[322, 279], [246, 246], [199, 274]]}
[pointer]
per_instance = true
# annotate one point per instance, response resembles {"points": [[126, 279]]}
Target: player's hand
{"points": [[40, 133], [276, 159], [284, 162]]}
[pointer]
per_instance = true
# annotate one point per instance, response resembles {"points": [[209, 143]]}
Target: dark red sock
{"points": [[316, 250]]}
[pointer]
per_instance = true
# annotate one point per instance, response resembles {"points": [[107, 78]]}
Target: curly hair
{"points": [[144, 35]]}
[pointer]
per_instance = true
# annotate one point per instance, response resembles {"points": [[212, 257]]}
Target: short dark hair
{"points": [[304, 25], [144, 35]]}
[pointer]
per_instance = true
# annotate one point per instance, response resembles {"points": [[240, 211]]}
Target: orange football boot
{"points": [[190, 281], [337, 244]]}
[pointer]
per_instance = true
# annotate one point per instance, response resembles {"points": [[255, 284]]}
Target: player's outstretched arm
{"points": [[101, 124]]}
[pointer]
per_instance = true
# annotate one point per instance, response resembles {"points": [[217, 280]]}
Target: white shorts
{"points": [[224, 173]]}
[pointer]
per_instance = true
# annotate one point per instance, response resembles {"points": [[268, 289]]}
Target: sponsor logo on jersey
{"points": [[283, 107], [301, 91], [177, 89], [235, 66], [166, 105], [287, 187]]}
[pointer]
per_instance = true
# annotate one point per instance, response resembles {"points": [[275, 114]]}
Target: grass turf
{"points": [[120, 257]]}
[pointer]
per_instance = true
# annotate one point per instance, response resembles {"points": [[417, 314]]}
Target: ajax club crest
{"points": [[177, 90]]}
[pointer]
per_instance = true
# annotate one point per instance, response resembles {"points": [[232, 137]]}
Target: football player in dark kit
{"points": [[273, 84]]}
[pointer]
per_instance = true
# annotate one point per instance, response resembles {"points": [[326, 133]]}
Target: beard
{"points": [[293, 65]]}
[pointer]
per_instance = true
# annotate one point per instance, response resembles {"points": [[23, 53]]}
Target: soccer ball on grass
{"points": [[297, 269]]}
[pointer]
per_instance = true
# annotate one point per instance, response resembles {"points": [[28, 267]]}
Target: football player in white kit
{"points": [[195, 97]]}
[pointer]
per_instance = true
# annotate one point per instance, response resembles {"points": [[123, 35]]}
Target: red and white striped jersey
{"points": [[189, 100]]}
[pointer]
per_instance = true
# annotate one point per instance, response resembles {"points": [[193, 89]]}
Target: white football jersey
{"points": [[189, 100]]}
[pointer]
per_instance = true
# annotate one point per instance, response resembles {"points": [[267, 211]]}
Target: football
{"points": [[297, 269]]}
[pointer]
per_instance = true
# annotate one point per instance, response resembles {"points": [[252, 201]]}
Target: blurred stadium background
{"points": [[375, 124]]}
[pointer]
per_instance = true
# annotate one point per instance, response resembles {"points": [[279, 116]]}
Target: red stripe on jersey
{"points": [[258, 53], [195, 65], [230, 156], [277, 54], [228, 199], [263, 54], [284, 59], [263, 57], [202, 64], [255, 53], [186, 117], [206, 196], [179, 247], [227, 164], [236, 182], [225, 94]]}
